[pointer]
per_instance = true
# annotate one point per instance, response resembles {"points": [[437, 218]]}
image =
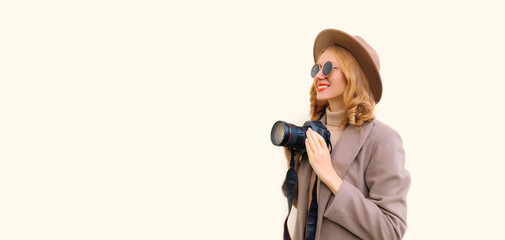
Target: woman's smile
{"points": [[322, 86]]}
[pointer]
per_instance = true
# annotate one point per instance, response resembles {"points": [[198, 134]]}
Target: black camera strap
{"points": [[291, 178], [312, 218]]}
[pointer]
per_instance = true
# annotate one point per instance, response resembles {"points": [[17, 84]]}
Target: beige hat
{"points": [[364, 53]]}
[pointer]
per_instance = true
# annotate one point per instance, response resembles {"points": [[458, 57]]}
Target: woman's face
{"points": [[331, 87]]}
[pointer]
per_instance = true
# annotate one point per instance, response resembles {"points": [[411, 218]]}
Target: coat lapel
{"points": [[348, 146], [342, 155]]}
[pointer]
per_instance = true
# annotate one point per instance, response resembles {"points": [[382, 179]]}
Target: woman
{"points": [[361, 186]]}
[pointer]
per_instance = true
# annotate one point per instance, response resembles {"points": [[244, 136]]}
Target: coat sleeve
{"points": [[383, 214]]}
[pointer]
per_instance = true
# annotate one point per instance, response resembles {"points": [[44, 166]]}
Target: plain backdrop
{"points": [[152, 119]]}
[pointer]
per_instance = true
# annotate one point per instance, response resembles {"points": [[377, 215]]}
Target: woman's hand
{"points": [[320, 160]]}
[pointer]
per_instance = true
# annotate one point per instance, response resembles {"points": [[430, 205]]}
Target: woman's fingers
{"points": [[314, 136], [322, 142], [308, 148], [311, 141]]}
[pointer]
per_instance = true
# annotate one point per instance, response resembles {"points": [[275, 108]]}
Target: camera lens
{"points": [[279, 132], [288, 135]]}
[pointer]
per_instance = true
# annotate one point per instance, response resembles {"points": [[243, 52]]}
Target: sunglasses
{"points": [[327, 68]]}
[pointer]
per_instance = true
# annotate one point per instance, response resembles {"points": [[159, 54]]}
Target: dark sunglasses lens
{"points": [[315, 70], [328, 66]]}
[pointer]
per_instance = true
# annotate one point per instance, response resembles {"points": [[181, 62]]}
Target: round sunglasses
{"points": [[327, 68]]}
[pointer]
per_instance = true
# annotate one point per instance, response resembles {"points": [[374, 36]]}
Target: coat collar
{"points": [[348, 146]]}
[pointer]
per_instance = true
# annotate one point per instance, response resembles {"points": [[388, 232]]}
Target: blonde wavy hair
{"points": [[358, 98]]}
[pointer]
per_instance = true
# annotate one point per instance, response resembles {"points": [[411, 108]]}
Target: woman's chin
{"points": [[321, 97]]}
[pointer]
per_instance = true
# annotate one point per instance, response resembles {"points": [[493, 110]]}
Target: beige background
{"points": [[151, 119]]}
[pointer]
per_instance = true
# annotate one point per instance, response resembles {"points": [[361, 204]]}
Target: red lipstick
{"points": [[320, 87]]}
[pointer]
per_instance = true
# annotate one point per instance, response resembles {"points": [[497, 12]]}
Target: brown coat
{"points": [[372, 201]]}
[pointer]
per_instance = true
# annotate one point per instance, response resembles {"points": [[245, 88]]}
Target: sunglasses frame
{"points": [[322, 69]]}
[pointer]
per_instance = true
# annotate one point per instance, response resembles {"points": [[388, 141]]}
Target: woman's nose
{"points": [[319, 74]]}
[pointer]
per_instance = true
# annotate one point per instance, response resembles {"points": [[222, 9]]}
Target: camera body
{"points": [[288, 135]]}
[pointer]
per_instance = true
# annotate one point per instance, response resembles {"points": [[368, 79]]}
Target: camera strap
{"points": [[312, 218], [291, 177]]}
